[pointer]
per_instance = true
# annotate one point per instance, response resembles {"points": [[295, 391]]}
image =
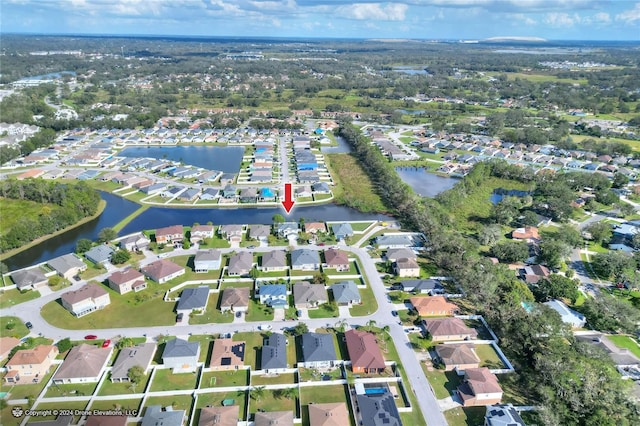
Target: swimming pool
{"points": [[375, 391]]}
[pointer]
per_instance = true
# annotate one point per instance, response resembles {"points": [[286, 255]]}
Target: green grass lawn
{"points": [[469, 416], [66, 405], [76, 389], [258, 312], [165, 380], [322, 311], [141, 309], [212, 379], [360, 226], [272, 401], [109, 388], [353, 186], [280, 379], [625, 342], [442, 382], [369, 303], [313, 375], [212, 314], [120, 403], [14, 297], [27, 391], [14, 210], [488, 357], [12, 327], [206, 346]]}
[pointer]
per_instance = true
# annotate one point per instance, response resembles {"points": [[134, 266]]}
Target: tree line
{"points": [[64, 205]]}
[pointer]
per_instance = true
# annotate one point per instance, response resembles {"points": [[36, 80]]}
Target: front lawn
{"points": [[12, 327], [259, 312], [625, 342], [442, 382], [212, 314], [469, 416], [9, 298], [253, 347], [369, 303], [115, 404], [165, 380]]}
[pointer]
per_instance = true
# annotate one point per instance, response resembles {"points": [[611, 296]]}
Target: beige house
{"points": [[329, 414], [28, 366], [227, 355], [127, 280], [85, 300], [458, 356], [219, 416], [406, 267], [480, 387], [234, 299], [448, 329], [433, 306], [279, 418], [83, 364], [6, 345]]}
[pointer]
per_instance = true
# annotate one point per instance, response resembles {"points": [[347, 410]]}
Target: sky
{"points": [[401, 19]]}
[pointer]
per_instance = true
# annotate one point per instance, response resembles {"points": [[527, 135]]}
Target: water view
{"points": [[224, 158], [500, 193], [424, 183]]}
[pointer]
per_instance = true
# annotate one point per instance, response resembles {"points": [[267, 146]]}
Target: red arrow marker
{"points": [[288, 198]]}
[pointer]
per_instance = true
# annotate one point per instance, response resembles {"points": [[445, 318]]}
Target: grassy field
{"points": [[353, 186], [141, 309], [178, 402], [12, 327], [488, 357], [13, 211], [368, 305], [213, 379], [215, 399], [274, 402], [123, 404], [442, 382], [13, 297], [625, 342], [109, 388], [212, 314], [469, 416], [165, 380]]}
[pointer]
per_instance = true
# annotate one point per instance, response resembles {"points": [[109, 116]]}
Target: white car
{"points": [[265, 327]]}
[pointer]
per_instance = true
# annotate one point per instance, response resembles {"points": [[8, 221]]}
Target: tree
{"points": [[510, 251], [320, 278], [556, 286], [567, 234], [121, 256], [55, 280], [287, 393], [83, 245], [626, 209], [107, 234], [488, 235], [125, 342], [612, 264], [300, 329], [254, 273], [257, 392], [635, 241], [64, 345], [600, 231], [136, 375], [3, 268], [552, 253], [277, 218], [619, 180], [186, 244]]}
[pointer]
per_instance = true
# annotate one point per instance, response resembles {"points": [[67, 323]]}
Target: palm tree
{"points": [[371, 324], [341, 326], [257, 392]]}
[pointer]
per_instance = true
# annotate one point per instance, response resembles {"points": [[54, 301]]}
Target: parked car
{"points": [[238, 314], [180, 317], [394, 313], [106, 343], [265, 327], [90, 337], [28, 325]]}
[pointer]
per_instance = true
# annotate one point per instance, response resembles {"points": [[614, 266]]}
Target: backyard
{"points": [[165, 380]]}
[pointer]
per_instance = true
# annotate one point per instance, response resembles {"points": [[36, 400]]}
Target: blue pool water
{"points": [[375, 391]]}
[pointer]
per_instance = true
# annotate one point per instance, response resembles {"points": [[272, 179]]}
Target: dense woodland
{"points": [[62, 205]]}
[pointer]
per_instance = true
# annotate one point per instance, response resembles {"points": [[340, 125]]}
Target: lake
{"points": [[500, 193], [158, 217], [342, 148], [227, 159], [425, 183]]}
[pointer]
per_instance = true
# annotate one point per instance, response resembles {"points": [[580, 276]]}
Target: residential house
{"points": [[207, 260], [457, 356], [28, 366], [272, 418], [274, 261], [346, 293], [227, 355], [480, 387], [318, 351], [29, 279], [248, 195], [394, 241], [315, 227], [135, 242], [260, 233], [220, 416], [307, 295], [623, 358], [433, 306], [376, 409], [181, 356], [336, 259], [428, 286], [342, 231], [274, 295], [274, 354], [406, 267], [162, 271], [235, 299], [534, 273], [305, 260], [85, 300], [67, 266], [210, 194], [100, 254], [125, 281], [200, 232], [446, 329], [60, 420], [99, 420], [232, 233], [240, 264], [155, 416], [170, 234], [139, 355], [83, 364], [394, 254], [329, 414], [364, 352], [568, 315], [287, 229], [502, 415], [529, 234], [193, 300], [7, 344]]}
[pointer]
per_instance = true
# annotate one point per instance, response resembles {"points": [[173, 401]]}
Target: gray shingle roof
{"points": [[274, 352], [193, 298], [345, 292], [180, 348], [301, 257], [141, 355], [318, 347]]}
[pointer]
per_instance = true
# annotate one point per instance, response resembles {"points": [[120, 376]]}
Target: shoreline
{"points": [[101, 206]]}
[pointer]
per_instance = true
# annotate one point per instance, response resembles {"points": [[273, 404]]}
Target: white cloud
{"points": [[561, 19], [630, 16], [521, 18], [373, 11]]}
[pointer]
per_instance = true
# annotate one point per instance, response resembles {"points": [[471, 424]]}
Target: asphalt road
{"points": [[382, 316]]}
